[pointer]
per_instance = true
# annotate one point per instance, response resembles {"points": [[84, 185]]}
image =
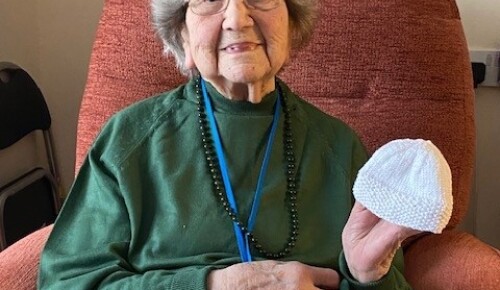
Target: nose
{"points": [[237, 15]]}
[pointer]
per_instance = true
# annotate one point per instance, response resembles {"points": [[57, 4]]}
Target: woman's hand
{"points": [[267, 275], [370, 244]]}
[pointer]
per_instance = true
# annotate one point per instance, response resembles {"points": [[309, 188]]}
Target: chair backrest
{"points": [[32, 198], [391, 69], [23, 110], [22, 107]]}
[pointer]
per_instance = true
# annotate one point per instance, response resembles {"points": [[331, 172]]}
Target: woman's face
{"points": [[239, 45]]}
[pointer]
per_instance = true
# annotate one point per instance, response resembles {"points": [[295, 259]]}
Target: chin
{"points": [[244, 79], [247, 76]]}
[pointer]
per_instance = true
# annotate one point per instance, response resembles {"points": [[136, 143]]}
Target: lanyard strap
{"points": [[241, 238]]}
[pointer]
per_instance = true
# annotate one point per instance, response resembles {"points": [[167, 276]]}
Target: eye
{"points": [[207, 7]]}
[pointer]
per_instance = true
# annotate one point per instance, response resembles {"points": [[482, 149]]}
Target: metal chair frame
{"points": [[23, 110]]}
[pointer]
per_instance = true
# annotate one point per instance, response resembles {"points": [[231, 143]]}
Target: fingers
{"points": [[358, 206], [402, 232], [282, 275], [359, 211], [360, 223], [324, 278], [362, 217]]}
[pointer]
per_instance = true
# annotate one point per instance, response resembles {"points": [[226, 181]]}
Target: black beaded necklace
{"points": [[218, 185]]}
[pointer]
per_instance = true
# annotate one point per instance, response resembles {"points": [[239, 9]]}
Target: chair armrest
{"points": [[19, 262], [452, 260]]}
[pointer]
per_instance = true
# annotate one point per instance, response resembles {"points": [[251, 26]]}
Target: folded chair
{"points": [[30, 201], [391, 69]]}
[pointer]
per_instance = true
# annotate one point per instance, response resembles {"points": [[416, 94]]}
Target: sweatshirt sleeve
{"points": [[393, 280], [89, 245]]}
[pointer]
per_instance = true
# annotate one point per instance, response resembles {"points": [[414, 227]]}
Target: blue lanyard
{"points": [[241, 238]]}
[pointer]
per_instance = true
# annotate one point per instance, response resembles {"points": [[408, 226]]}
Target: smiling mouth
{"points": [[240, 47]]}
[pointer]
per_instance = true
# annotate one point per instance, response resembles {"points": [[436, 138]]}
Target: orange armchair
{"points": [[391, 69]]}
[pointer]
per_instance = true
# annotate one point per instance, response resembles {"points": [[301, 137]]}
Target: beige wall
{"points": [[481, 20], [52, 40], [17, 45], [19, 33]]}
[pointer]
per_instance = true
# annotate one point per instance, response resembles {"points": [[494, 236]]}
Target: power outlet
{"points": [[491, 58]]}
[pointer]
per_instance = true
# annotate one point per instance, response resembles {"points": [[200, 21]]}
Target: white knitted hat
{"points": [[407, 182]]}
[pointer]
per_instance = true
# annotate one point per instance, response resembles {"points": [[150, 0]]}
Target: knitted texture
{"points": [[407, 182]]}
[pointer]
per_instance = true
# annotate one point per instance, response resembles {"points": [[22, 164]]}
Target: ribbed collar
{"points": [[223, 105]]}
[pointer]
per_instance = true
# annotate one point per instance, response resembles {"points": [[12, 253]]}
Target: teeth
{"points": [[241, 47]]}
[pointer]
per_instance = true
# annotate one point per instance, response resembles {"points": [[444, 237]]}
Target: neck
{"points": [[250, 92]]}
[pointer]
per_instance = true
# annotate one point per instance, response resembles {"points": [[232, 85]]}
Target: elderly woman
{"points": [[230, 181]]}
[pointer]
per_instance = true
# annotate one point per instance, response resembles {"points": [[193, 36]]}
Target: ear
{"points": [[188, 57]]}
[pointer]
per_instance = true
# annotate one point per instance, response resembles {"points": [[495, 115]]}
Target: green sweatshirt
{"points": [[142, 213]]}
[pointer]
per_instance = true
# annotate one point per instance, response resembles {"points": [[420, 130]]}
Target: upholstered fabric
{"points": [[452, 260], [19, 262], [127, 65], [395, 69], [392, 69]]}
